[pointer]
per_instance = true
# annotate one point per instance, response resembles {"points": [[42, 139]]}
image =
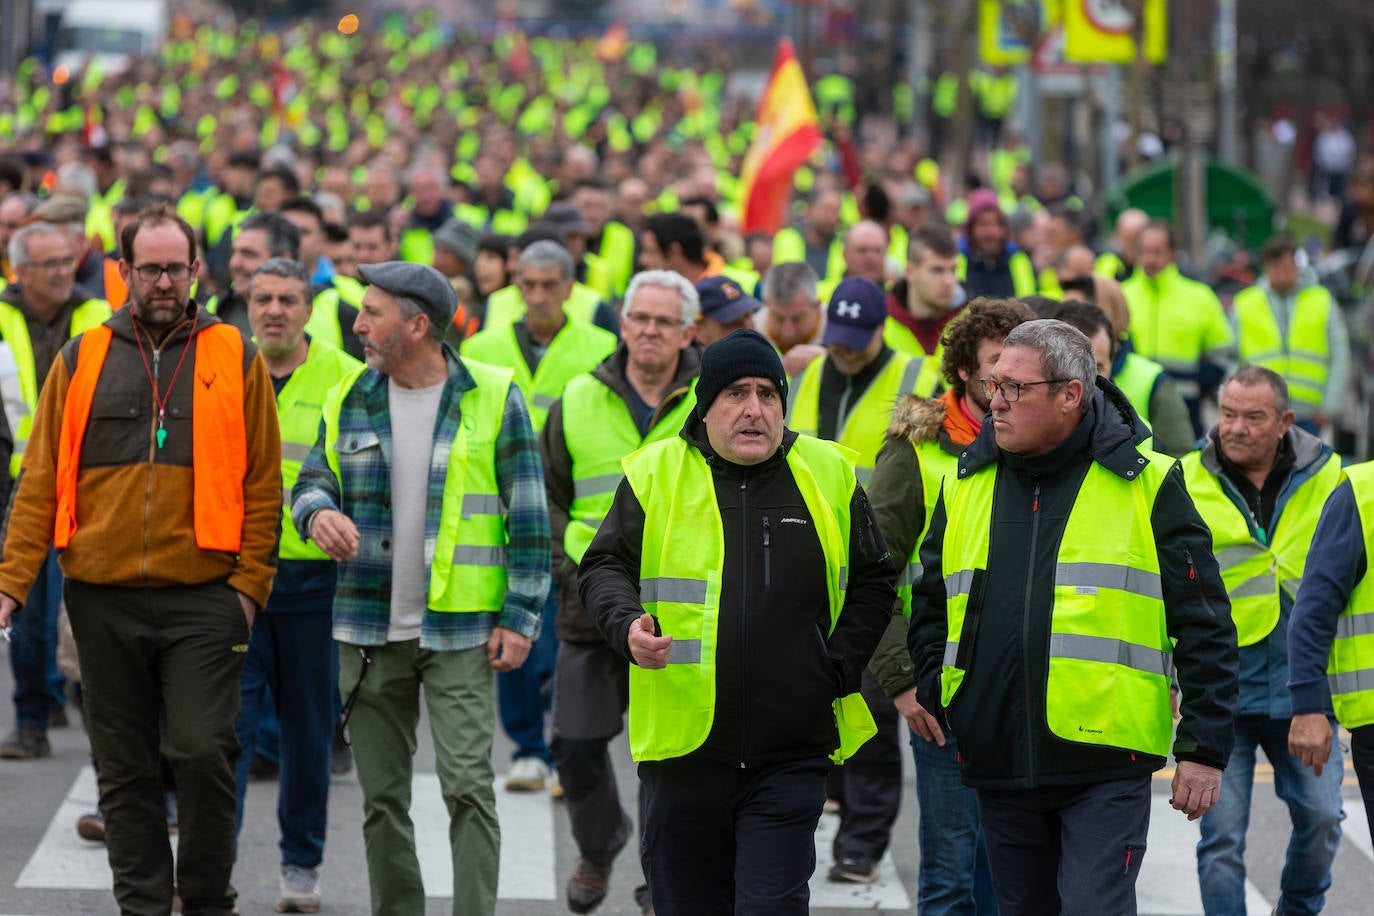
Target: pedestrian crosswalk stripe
{"points": [[1168, 882], [63, 859], [887, 893], [1355, 827]]}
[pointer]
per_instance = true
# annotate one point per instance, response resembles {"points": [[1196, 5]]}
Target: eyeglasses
{"points": [[1011, 391], [640, 320], [151, 273], [55, 264]]}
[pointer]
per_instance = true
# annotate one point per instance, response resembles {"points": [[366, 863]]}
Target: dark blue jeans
{"points": [[524, 695], [954, 877], [294, 656], [1314, 807], [33, 647]]}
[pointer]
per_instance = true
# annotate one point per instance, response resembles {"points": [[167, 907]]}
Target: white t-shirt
{"points": [[413, 415]]}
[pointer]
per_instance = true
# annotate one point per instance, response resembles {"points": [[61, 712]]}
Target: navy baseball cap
{"points": [[857, 307], [723, 300]]}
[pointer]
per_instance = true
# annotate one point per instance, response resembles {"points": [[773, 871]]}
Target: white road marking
{"points": [[1168, 882]]}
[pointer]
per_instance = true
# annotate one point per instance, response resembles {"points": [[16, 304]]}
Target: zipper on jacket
{"points": [[1192, 570], [152, 454], [744, 601], [767, 563], [1025, 635]]}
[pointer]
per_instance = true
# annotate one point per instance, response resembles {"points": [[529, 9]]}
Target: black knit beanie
{"points": [[740, 354]]}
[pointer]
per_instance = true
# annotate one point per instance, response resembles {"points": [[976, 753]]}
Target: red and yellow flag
{"points": [[787, 131]]}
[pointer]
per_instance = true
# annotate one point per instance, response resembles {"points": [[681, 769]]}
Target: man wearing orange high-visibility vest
{"points": [[155, 468]]}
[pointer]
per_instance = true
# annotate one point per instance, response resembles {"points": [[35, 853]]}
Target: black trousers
{"points": [[161, 672], [869, 785], [1362, 759], [723, 840], [1074, 850]]}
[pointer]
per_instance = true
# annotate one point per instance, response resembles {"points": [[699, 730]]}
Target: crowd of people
{"points": [[455, 372]]}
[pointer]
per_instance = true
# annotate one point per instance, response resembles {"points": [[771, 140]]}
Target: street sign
{"points": [[1007, 30], [1100, 31]]}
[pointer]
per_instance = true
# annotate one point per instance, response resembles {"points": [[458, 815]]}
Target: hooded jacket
{"points": [[999, 712], [777, 672]]}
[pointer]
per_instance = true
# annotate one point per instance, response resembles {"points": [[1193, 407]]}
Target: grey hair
{"points": [[545, 253], [665, 279], [284, 267], [1251, 374], [77, 178], [783, 282], [410, 308], [19, 241], [1065, 352]]}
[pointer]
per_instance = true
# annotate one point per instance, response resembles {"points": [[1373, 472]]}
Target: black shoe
{"points": [[26, 742], [855, 869]]}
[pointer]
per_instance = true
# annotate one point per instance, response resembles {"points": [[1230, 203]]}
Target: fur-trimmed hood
{"points": [[917, 419]]}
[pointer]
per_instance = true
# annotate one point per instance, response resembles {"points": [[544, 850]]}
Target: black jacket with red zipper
{"points": [[999, 712]]}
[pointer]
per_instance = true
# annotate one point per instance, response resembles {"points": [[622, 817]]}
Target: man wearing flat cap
{"points": [[455, 248], [741, 572], [425, 486]]}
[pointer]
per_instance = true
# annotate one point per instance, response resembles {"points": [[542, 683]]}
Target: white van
{"points": [[110, 31]]}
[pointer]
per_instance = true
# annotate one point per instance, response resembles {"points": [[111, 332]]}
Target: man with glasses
{"points": [[641, 393], [1067, 579], [156, 471], [39, 313]]}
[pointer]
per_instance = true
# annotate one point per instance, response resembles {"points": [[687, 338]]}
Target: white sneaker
{"points": [[300, 890], [527, 774]]}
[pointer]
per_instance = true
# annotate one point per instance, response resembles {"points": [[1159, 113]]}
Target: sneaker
{"points": [[856, 869], [588, 883], [831, 806], [555, 785], [26, 742], [300, 890], [91, 827], [528, 774]]}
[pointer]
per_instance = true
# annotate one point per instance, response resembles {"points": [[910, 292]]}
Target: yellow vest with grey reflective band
{"points": [[672, 708], [575, 349], [934, 463], [1110, 655], [1304, 358], [1254, 571], [19, 376], [866, 425], [1023, 280], [300, 404], [1137, 381], [598, 432], [506, 306], [789, 247], [1170, 316], [1350, 671], [468, 569]]}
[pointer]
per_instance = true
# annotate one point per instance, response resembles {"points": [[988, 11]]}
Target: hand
{"points": [[921, 721], [1196, 787], [1309, 738], [8, 608], [800, 356], [250, 609], [648, 650], [1174, 701], [507, 649], [335, 534]]}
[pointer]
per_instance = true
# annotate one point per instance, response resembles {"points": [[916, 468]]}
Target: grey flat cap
{"points": [[418, 282], [459, 238], [62, 208]]}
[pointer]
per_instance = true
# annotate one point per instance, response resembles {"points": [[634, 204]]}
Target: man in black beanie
{"points": [[741, 572]]}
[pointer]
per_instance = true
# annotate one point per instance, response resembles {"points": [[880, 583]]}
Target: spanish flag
{"points": [[786, 132]]}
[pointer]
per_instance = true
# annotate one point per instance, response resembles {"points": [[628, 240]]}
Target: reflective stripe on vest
{"points": [[1304, 357], [300, 404], [1110, 655], [934, 463], [506, 306], [671, 709], [1350, 670], [588, 405], [467, 569], [576, 348], [18, 374], [1252, 570], [219, 438], [866, 425]]}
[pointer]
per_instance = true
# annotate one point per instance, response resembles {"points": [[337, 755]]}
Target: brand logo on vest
{"points": [[207, 382], [1090, 731], [239, 648], [793, 520], [845, 309]]}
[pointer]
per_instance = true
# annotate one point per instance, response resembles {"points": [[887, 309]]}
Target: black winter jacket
{"points": [[777, 673], [999, 711]]}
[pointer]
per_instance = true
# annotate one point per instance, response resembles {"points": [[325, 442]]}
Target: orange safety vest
{"points": [[116, 290], [219, 439]]}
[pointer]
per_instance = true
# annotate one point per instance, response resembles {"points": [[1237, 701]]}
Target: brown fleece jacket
{"points": [[134, 507]]}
